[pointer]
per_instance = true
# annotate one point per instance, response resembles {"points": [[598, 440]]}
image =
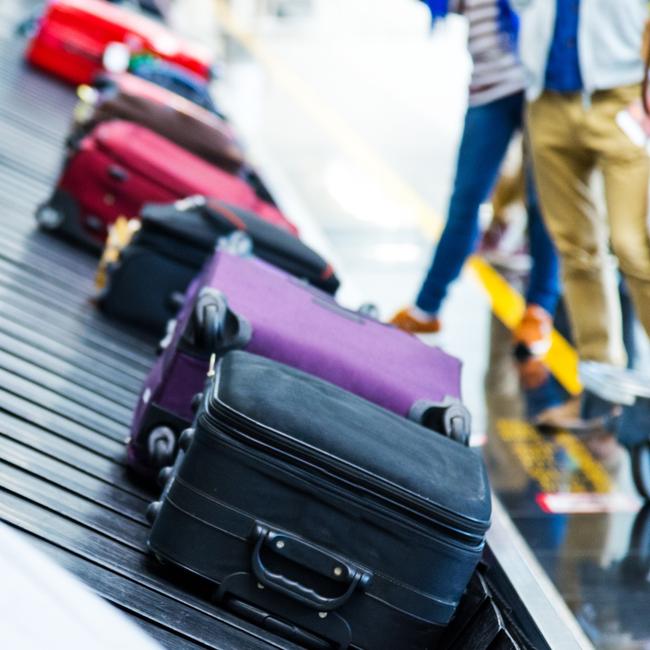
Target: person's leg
{"points": [[486, 135], [629, 319], [626, 173], [495, 245], [562, 166], [544, 282], [532, 336], [510, 189], [548, 404]]}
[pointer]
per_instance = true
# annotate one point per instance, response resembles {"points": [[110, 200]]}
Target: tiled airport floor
{"points": [[356, 110]]}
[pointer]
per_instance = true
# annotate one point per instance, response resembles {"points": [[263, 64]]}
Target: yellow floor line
{"points": [[507, 303], [537, 456], [592, 468]]}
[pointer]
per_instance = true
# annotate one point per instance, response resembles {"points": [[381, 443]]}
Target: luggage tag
{"points": [[120, 235]]}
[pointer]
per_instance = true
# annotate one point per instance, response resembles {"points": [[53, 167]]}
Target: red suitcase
{"points": [[119, 166], [110, 84], [72, 36]]}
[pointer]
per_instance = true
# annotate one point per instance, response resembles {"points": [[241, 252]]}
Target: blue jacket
{"points": [[609, 42]]}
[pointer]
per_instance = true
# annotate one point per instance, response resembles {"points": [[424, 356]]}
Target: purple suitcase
{"points": [[242, 302]]}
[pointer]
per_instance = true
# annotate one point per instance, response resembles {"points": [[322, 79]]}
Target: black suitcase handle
{"points": [[312, 557]]}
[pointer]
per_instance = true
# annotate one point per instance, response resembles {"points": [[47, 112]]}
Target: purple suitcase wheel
{"points": [[161, 443]]}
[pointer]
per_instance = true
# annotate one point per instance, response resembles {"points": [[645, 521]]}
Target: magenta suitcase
{"points": [[120, 166], [244, 303]]}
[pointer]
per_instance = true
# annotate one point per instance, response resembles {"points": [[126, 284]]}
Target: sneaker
{"points": [[571, 416], [493, 237], [415, 321], [503, 246], [562, 416]]}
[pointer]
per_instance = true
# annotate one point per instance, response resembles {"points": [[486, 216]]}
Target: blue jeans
{"points": [[486, 136]]}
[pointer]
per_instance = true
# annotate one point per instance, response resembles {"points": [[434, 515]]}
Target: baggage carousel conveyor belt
{"points": [[69, 379]]}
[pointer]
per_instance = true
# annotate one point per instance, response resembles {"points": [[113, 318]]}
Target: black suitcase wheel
{"points": [[152, 511], [458, 431], [196, 402], [49, 217], [369, 309], [161, 443], [210, 314], [211, 327], [176, 300], [164, 475], [185, 438], [641, 468], [215, 328]]}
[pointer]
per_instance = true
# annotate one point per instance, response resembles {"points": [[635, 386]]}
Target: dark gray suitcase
{"points": [[320, 515], [174, 242]]}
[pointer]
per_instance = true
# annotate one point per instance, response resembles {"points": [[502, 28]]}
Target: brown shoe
{"points": [[532, 340], [533, 372], [406, 320], [533, 334]]}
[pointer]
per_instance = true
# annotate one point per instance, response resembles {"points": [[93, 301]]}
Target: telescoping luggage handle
{"points": [[313, 558]]}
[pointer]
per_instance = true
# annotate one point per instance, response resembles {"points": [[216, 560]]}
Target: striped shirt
{"points": [[497, 71]]}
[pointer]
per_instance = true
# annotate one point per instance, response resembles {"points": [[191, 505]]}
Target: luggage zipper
{"points": [[229, 421], [451, 536]]}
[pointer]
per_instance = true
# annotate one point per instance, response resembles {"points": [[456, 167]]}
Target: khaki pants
{"points": [[569, 140]]}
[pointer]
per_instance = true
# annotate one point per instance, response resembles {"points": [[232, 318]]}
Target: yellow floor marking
{"points": [[598, 477], [537, 455], [507, 304]]}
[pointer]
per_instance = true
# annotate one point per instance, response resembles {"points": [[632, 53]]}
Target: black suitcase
{"points": [[172, 245], [483, 621], [320, 515]]}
